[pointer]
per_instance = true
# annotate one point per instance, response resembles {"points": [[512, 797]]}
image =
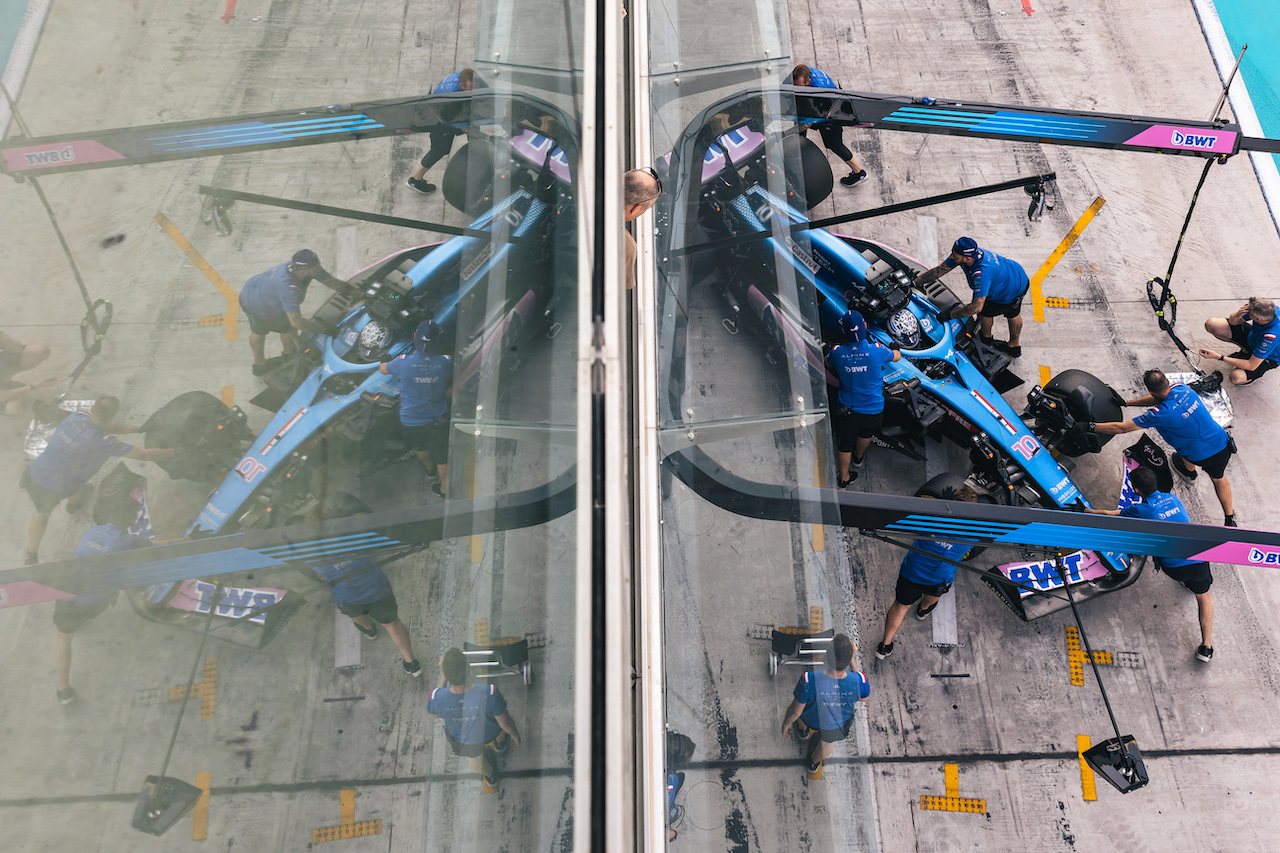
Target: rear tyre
{"points": [[1089, 400], [188, 423]]}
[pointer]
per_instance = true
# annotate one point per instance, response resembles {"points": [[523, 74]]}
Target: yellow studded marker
{"points": [[952, 802]]}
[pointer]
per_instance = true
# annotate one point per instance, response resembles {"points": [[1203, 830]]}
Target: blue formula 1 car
{"points": [[484, 291], [947, 383]]}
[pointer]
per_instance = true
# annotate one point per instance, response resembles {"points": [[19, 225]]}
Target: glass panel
{"points": [[257, 385]]}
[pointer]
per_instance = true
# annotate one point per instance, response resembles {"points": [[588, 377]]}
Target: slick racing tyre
{"points": [[189, 424], [1089, 400]]}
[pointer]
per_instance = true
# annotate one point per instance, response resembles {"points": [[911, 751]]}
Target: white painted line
{"points": [[944, 620], [346, 641], [347, 261], [1264, 165], [927, 241]]}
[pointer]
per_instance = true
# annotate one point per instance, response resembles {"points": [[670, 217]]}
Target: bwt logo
{"points": [[1194, 140], [45, 158], [1265, 558]]}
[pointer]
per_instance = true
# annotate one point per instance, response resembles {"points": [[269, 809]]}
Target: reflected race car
{"points": [[947, 383], [339, 406]]}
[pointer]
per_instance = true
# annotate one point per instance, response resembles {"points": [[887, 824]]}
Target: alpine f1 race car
{"points": [[485, 289], [946, 385]]}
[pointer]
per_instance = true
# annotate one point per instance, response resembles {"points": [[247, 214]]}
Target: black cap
{"points": [[306, 258]]}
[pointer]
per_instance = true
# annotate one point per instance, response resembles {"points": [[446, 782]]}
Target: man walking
{"points": [[823, 702], [273, 303], [361, 590], [998, 286], [1195, 576], [426, 382], [462, 80], [859, 410], [476, 722], [832, 134], [1196, 438]]}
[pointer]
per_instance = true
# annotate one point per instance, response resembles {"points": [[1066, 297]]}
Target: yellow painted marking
{"points": [[815, 620], [228, 395], [347, 806], [206, 689], [1087, 782], [951, 780], [200, 817], [1076, 658], [346, 830], [482, 632], [233, 300], [1044, 376], [1057, 302], [212, 320], [819, 481], [1037, 298], [952, 802]]}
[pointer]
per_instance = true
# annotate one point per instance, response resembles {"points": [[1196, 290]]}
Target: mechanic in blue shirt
{"points": [[924, 577], [273, 303], [462, 80], [1254, 328], [361, 590], [1196, 438], [859, 410], [72, 614], [76, 451], [998, 286], [822, 704], [476, 722], [426, 381], [1196, 576], [832, 134], [17, 357]]}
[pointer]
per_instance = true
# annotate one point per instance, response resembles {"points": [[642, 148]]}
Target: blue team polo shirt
{"points": [[276, 292], [829, 702], [998, 279], [1160, 506], [104, 539], [1184, 422], [365, 585], [1264, 339], [858, 367], [469, 717], [452, 83], [76, 451], [820, 79], [927, 569], [424, 377]]}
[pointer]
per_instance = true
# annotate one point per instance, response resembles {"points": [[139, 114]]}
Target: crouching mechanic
{"points": [[998, 286], [1194, 575], [859, 409], [426, 382], [924, 577], [823, 702], [1254, 328], [476, 722], [361, 590], [273, 303]]}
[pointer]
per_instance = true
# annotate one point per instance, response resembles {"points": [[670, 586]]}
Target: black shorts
{"points": [[1002, 309], [469, 750], [71, 616], [834, 735], [1196, 577], [851, 426], [909, 592], [1216, 465], [1240, 337], [259, 326], [44, 499], [383, 611], [432, 437]]}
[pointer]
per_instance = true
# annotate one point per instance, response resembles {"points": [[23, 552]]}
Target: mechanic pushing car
{"points": [[273, 303], [859, 410], [998, 285], [426, 382]]}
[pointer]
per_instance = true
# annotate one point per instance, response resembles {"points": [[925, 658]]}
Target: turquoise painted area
{"points": [[1256, 22], [11, 14]]}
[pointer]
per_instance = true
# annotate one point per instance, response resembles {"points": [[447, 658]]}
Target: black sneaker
{"points": [[31, 559], [1229, 521], [854, 178], [844, 484], [988, 342], [260, 369], [435, 487], [924, 614], [883, 651], [412, 667], [1012, 352], [67, 695], [419, 185], [857, 461], [812, 768], [1181, 469], [370, 632], [1204, 653]]}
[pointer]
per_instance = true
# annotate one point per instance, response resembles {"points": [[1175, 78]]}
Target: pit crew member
{"points": [[1254, 328], [859, 410], [998, 286], [426, 382], [823, 701], [273, 303]]}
